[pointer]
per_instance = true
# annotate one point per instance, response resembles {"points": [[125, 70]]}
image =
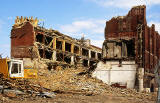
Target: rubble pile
{"points": [[67, 81], [64, 81], [21, 88]]}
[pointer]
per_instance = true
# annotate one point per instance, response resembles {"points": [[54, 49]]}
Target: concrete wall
{"points": [[111, 73]]}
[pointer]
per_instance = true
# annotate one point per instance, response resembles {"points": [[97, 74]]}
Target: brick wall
{"points": [[22, 40], [126, 27]]}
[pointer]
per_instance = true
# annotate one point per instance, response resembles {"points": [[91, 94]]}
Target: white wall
{"points": [[111, 73]]}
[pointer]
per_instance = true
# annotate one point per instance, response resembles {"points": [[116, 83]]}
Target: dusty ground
{"points": [[69, 98], [69, 87]]}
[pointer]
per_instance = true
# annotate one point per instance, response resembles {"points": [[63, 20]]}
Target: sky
{"points": [[71, 17]]}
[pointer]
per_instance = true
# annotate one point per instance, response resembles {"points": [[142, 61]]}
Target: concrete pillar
{"points": [[54, 43], [89, 54], [80, 63], [96, 55], [104, 53], [80, 51], [63, 45], [88, 62], [72, 48], [72, 60], [54, 58], [140, 78], [158, 94]]}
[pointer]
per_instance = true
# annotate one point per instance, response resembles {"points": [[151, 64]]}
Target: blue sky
{"points": [[71, 17]]}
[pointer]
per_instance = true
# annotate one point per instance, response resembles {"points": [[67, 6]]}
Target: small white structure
{"points": [[111, 72]]}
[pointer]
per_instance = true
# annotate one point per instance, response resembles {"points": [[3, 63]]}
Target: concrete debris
{"points": [[17, 92], [16, 88], [66, 81], [47, 94], [51, 84]]}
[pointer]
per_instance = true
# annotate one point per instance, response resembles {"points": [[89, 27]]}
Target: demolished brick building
{"points": [[128, 38], [29, 40]]}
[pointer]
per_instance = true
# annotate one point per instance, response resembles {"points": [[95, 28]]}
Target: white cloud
{"points": [[91, 26], [125, 3], [157, 25], [77, 26], [91, 29], [97, 43]]}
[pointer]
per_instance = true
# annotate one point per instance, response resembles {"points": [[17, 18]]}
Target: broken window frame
{"points": [[68, 47], [85, 52]]}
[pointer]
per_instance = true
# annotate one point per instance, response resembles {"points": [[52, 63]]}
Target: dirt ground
{"points": [[69, 98]]}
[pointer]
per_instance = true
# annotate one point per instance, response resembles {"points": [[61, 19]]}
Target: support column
{"points": [[80, 51], [104, 51], [54, 43], [158, 98], [72, 60], [63, 45], [72, 48], [80, 63], [89, 54], [88, 62], [96, 54], [140, 78], [54, 58]]}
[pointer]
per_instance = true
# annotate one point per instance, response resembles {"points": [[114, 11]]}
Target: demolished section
{"points": [[31, 41]]}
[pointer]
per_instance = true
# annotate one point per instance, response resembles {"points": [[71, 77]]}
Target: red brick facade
{"points": [[21, 40], [127, 27]]}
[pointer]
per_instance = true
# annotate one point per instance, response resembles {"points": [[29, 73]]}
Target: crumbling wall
{"points": [[22, 41], [139, 40], [125, 26]]}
